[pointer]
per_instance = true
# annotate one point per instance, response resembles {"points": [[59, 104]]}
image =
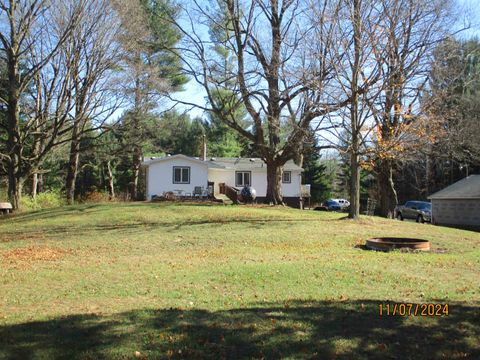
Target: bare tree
{"points": [[277, 79], [450, 105], [59, 56], [95, 56], [384, 51], [356, 77], [411, 30], [26, 25]]}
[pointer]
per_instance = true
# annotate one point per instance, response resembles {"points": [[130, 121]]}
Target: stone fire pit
{"points": [[391, 243]]}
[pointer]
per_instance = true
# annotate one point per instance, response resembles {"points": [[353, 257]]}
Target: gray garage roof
{"points": [[468, 188]]}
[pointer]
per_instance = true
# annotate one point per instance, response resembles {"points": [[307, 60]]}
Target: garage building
{"points": [[458, 204]]}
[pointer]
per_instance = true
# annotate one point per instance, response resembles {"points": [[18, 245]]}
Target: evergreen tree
{"points": [[223, 141], [315, 172], [152, 70], [177, 133]]}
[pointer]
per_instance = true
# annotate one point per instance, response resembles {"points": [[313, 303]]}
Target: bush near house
{"points": [[43, 200]]}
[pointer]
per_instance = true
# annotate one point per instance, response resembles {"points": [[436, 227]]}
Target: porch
{"points": [[199, 193]]}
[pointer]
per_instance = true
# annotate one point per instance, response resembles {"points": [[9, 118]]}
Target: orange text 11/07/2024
{"points": [[410, 309]]}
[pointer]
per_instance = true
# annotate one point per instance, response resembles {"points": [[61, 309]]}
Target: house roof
{"points": [[177, 156], [249, 163], [225, 163], [468, 188]]}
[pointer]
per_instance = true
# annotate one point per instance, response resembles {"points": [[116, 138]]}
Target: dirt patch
{"points": [[35, 253]]}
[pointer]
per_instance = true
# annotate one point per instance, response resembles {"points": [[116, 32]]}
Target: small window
{"points": [[242, 178], [181, 175], [287, 177]]}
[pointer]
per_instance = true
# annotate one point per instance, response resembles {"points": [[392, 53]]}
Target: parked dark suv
{"points": [[421, 211]]}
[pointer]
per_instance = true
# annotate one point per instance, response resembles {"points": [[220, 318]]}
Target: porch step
{"points": [[225, 200]]}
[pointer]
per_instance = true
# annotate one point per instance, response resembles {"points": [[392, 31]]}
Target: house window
{"points": [[243, 178], [287, 177], [181, 175]]}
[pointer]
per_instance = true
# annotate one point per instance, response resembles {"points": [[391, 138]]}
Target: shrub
{"points": [[44, 200], [96, 197]]}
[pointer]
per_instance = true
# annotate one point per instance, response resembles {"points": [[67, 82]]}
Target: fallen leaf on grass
{"points": [[35, 253]]}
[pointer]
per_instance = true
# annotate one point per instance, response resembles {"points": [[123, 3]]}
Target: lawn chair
{"points": [[204, 193], [197, 191]]}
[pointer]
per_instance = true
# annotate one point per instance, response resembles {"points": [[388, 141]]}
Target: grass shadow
{"points": [[21, 234], [298, 329], [49, 213]]}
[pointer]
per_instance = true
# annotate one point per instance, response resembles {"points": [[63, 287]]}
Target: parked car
{"points": [[329, 205], [344, 204], [421, 211]]}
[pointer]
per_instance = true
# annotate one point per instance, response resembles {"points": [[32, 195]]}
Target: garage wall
{"points": [[456, 212]]}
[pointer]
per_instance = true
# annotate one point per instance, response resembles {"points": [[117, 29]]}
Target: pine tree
{"points": [[315, 172], [152, 70]]}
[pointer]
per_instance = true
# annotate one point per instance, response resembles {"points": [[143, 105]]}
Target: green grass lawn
{"points": [[197, 281]]}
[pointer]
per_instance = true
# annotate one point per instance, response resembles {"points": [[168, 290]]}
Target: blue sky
{"points": [[469, 12]]}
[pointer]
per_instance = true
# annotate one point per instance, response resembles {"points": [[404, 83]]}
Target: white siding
{"points": [[456, 212], [219, 176], [259, 181], [160, 176], [293, 189]]}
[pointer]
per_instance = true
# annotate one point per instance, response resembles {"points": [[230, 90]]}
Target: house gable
{"points": [[176, 157]]}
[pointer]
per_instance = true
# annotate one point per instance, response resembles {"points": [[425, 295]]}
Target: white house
{"points": [[182, 174], [458, 204]]}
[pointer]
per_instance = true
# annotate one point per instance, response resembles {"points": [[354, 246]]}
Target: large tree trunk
{"points": [[428, 174], [34, 185], [355, 123], [386, 189], [136, 162], [14, 186], [354, 211], [137, 150], [274, 189], [40, 183], [72, 170], [110, 181], [14, 162]]}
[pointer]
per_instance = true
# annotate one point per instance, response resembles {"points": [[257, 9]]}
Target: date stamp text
{"points": [[410, 309]]}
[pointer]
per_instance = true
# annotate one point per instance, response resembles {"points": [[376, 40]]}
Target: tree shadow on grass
{"points": [[51, 213], [74, 210], [298, 329], [134, 227]]}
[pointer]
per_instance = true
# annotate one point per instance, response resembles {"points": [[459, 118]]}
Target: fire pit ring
{"points": [[391, 243]]}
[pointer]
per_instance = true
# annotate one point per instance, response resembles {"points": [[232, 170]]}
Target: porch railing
{"points": [[305, 190], [230, 192]]}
